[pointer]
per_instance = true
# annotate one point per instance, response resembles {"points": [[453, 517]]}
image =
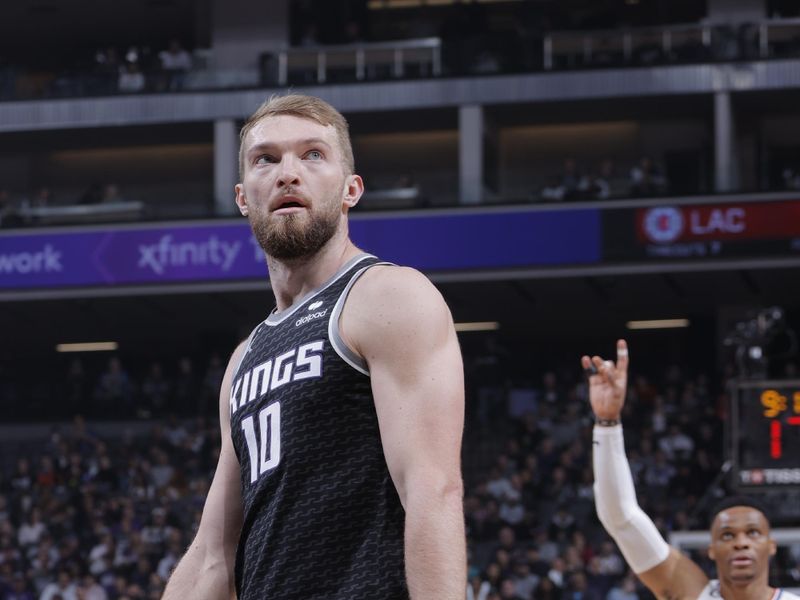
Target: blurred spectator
{"points": [[155, 533], [22, 479], [114, 389], [62, 588], [175, 63], [659, 473], [500, 486], [512, 512], [186, 391], [525, 581], [17, 589], [570, 185], [131, 79], [76, 386], [174, 552], [562, 525], [160, 475], [558, 572], [107, 69], [547, 590], [32, 529], [111, 194], [42, 197], [624, 590], [578, 588], [101, 555], [647, 179], [508, 590], [608, 560], [676, 444], [478, 589], [791, 179], [156, 390], [606, 183], [90, 589]]}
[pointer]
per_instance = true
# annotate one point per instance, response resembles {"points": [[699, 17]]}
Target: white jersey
{"points": [[711, 592]]}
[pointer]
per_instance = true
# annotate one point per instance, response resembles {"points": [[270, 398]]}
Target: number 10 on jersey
{"points": [[267, 455]]}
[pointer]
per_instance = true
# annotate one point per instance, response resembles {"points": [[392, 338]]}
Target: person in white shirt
{"points": [[740, 546]]}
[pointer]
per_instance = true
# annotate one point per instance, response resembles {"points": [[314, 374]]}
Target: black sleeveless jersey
{"points": [[322, 518]]}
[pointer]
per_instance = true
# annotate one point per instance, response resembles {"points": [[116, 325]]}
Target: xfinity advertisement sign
{"points": [[227, 251], [128, 256]]}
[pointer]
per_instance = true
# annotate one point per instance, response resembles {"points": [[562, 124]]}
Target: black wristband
{"points": [[607, 422]]}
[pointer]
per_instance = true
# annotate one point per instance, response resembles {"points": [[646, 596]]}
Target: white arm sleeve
{"points": [[615, 497]]}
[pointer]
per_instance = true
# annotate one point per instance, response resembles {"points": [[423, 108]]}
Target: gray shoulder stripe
{"points": [[246, 350], [277, 318], [346, 353]]}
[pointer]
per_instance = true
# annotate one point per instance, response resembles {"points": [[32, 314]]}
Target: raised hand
{"points": [[607, 382]]}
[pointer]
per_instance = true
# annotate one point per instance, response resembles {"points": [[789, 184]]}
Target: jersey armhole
{"points": [[245, 353], [345, 352]]}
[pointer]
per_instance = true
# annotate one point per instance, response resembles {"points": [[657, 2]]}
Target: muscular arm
{"points": [[397, 320], [664, 570], [677, 577], [206, 570]]}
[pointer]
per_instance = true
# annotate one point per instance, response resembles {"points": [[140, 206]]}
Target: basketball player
{"points": [[740, 532], [342, 413]]}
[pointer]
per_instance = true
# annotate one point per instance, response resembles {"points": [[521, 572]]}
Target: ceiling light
{"points": [[658, 324], [87, 347], [478, 326]]}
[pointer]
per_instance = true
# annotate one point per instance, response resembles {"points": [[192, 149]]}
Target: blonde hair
{"points": [[305, 107]]}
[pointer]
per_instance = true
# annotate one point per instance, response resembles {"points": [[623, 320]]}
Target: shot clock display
{"points": [[765, 436]]}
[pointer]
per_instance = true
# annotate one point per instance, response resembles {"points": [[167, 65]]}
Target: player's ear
{"points": [[773, 547], [241, 199], [711, 552], [353, 189]]}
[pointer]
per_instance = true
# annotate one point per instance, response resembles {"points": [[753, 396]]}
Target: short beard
{"points": [[287, 239]]}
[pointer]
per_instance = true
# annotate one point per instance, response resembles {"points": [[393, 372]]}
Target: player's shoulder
{"points": [[381, 276], [387, 303], [393, 284]]}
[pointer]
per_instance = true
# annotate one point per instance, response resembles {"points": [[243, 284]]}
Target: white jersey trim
{"points": [[341, 348], [276, 318], [246, 350], [712, 592]]}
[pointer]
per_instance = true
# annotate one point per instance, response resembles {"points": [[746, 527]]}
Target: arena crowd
{"points": [[94, 515]]}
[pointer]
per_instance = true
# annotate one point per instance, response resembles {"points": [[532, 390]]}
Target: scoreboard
{"points": [[765, 434]]}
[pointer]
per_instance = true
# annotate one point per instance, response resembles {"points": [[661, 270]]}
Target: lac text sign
{"points": [[703, 231], [766, 434]]}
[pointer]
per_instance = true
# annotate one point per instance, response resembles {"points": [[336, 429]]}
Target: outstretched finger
{"points": [[622, 356], [602, 367], [586, 363]]}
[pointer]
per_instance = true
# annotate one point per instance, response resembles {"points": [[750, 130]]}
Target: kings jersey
{"points": [[322, 518]]}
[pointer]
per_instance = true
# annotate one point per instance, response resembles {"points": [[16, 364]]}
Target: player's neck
{"points": [[755, 590], [291, 280]]}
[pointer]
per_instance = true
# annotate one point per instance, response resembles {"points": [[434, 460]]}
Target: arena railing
{"points": [[369, 61], [360, 60], [746, 40]]}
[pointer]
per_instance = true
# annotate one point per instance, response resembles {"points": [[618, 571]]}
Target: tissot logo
{"points": [[663, 224]]}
